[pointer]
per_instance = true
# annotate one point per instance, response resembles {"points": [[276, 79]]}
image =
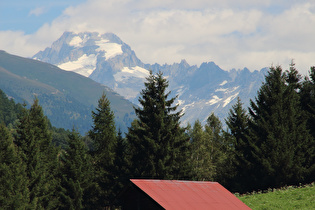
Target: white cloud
{"points": [[246, 33], [16, 42], [37, 11]]}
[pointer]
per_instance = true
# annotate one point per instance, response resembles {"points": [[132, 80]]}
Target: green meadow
{"points": [[302, 197]]}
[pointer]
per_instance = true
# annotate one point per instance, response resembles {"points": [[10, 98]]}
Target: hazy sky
{"points": [[232, 33]]}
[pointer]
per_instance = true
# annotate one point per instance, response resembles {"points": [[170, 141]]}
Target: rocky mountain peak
{"points": [[106, 59]]}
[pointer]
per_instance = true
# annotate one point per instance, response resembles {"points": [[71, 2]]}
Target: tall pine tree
{"points": [[239, 176], [77, 185], [122, 164], [158, 145], [219, 146], [307, 95], [34, 143], [202, 166], [278, 131], [104, 141]]}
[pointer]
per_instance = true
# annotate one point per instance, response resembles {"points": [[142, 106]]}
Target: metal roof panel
{"points": [[175, 194]]}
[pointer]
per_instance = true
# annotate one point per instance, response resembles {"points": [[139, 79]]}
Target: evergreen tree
{"points": [[14, 192], [103, 136], [293, 78], [307, 96], [40, 156], [239, 174], [278, 132], [202, 165], [77, 184], [218, 145], [122, 165], [158, 145], [308, 99], [306, 152], [237, 122]]}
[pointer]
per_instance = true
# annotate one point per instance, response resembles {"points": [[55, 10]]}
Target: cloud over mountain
{"points": [[240, 34]]}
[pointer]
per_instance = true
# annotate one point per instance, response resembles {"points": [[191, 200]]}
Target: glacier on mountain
{"points": [[84, 65], [110, 49], [128, 73]]}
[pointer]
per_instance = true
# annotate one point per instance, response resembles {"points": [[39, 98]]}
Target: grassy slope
{"points": [[288, 198]]}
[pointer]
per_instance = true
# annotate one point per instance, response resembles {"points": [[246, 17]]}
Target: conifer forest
{"points": [[270, 144]]}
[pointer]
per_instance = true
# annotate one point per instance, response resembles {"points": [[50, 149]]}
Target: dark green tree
{"points": [[122, 164], [158, 145], [14, 193], [278, 131], [104, 141], [202, 165], [40, 156], [307, 96], [238, 176], [237, 122], [308, 99], [77, 187], [219, 147], [293, 78]]}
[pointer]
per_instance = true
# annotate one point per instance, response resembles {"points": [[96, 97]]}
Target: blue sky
{"points": [[29, 16], [232, 33]]}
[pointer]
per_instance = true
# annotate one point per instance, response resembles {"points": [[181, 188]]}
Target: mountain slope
{"points": [[66, 97], [107, 60]]}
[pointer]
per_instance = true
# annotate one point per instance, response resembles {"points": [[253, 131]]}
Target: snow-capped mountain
{"points": [[206, 89], [104, 58], [109, 61]]}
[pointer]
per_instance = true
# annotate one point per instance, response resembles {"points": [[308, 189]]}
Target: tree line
{"points": [[270, 144]]}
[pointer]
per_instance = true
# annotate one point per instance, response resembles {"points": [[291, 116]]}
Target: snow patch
{"points": [[235, 88], [215, 99], [226, 90], [221, 90], [223, 83], [85, 65], [76, 41], [229, 99], [110, 49], [128, 72]]}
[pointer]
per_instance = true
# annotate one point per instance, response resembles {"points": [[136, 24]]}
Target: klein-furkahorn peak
{"points": [[106, 59]]}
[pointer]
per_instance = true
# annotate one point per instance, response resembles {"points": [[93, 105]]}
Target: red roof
{"points": [[174, 194]]}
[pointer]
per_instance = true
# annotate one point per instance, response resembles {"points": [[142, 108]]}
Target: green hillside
{"points": [[287, 198], [66, 97]]}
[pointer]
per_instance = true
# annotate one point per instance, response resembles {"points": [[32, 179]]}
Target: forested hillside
{"points": [[269, 145]]}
